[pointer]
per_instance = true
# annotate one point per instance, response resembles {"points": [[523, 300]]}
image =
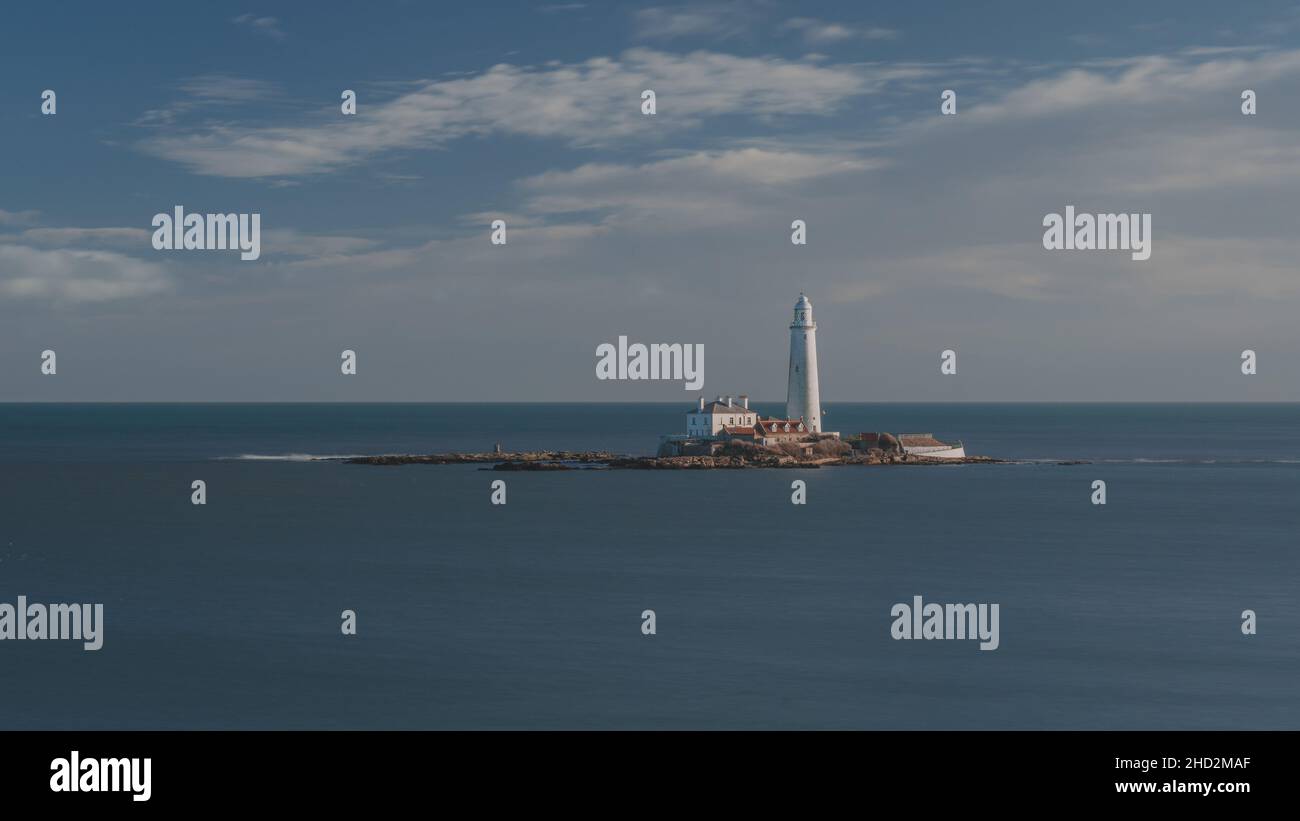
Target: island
{"points": [[729, 455], [728, 434]]}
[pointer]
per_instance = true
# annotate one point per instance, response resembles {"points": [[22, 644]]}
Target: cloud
{"points": [[1088, 40], [77, 265], [296, 243], [1121, 131], [582, 104], [210, 90], [560, 8], [137, 238], [364, 262], [1182, 266], [954, 205], [924, 230], [1219, 158], [74, 275], [716, 20], [1183, 78], [225, 88], [819, 32], [1124, 134], [18, 217], [692, 191], [267, 26]]}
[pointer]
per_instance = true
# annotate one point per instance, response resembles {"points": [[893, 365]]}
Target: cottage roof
{"points": [[781, 426], [738, 430], [721, 407]]}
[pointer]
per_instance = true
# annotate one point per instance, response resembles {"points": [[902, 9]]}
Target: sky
{"points": [[924, 230]]}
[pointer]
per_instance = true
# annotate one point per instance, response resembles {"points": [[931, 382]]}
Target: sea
{"points": [[768, 614]]}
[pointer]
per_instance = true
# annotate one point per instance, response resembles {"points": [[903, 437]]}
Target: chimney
{"points": [[728, 400], [701, 403], [744, 400]]}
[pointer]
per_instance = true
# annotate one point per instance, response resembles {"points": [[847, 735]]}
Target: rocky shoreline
{"points": [[536, 458], [606, 460]]}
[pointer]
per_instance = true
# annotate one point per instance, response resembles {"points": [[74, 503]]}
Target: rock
{"points": [[534, 466], [583, 457], [732, 459]]}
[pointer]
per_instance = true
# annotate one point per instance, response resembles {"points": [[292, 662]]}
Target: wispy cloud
{"points": [[1088, 39], [225, 88], [695, 190], [266, 26], [209, 91], [296, 243], [18, 217], [584, 103], [76, 275], [718, 21], [136, 238], [1184, 77], [820, 33]]}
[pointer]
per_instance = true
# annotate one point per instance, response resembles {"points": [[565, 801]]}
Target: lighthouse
{"points": [[803, 398]]}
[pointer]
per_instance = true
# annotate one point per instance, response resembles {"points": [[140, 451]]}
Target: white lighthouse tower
{"points": [[803, 399]]}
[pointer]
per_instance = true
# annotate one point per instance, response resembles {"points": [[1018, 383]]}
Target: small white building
{"points": [[924, 444], [710, 417]]}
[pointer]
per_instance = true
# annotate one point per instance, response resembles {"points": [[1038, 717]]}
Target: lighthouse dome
{"points": [[802, 312]]}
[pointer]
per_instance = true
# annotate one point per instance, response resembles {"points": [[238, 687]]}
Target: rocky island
{"points": [[727, 434], [730, 455]]}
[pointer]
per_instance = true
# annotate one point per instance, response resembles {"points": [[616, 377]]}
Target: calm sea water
{"points": [[769, 614]]}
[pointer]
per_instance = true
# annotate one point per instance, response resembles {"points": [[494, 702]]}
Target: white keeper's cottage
{"points": [[711, 417]]}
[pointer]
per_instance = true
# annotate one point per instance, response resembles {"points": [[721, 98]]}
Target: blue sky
{"points": [[924, 231]]}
